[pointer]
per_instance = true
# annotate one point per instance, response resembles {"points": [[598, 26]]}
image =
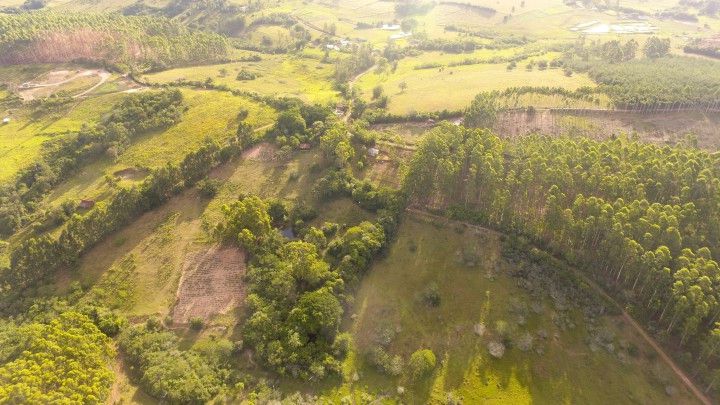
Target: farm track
{"points": [[351, 85], [630, 320]]}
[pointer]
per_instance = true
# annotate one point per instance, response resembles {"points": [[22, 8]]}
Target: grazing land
{"points": [[359, 201]]}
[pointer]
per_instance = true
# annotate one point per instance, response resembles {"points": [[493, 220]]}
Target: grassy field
{"points": [[210, 115], [454, 87], [21, 140], [561, 369], [283, 76]]}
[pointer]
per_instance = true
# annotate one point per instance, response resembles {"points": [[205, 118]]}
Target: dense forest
{"points": [[141, 42], [641, 218]]}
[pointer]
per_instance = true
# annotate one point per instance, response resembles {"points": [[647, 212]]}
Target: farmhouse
{"points": [[304, 146], [391, 27], [86, 204], [373, 152]]}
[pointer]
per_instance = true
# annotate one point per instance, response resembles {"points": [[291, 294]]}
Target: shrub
{"points": [[196, 323], [208, 187], [523, 341], [431, 295], [496, 349], [422, 363], [244, 75]]}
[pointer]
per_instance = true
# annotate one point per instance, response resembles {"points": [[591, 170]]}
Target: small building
{"points": [[401, 35], [373, 152], [391, 27], [86, 204], [6, 120], [304, 146]]}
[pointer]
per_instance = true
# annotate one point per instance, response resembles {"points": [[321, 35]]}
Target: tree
{"points": [[612, 51], [422, 363], [630, 50], [289, 123], [317, 313], [377, 92], [64, 361], [482, 112], [656, 47], [403, 86], [247, 221]]}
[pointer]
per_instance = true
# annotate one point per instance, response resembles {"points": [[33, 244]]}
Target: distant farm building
{"points": [[86, 204], [6, 120], [400, 36], [304, 146], [391, 27], [373, 152]]}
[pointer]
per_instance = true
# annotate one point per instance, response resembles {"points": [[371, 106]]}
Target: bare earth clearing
{"points": [[211, 284], [45, 85]]}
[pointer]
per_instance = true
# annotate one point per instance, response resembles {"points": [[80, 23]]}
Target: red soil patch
{"points": [[211, 284], [263, 152], [131, 173]]}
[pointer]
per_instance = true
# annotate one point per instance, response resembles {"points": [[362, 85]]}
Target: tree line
{"points": [[125, 42], [41, 256], [642, 219]]}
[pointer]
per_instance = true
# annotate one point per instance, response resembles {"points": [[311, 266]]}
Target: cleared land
{"points": [[211, 284]]}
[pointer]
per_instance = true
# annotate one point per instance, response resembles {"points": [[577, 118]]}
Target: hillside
{"points": [[359, 202]]}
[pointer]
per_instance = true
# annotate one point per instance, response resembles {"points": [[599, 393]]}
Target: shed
{"points": [[374, 152], [304, 146], [6, 120], [86, 204]]}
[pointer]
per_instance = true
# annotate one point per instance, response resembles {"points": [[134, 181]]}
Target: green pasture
{"points": [[563, 370], [21, 140], [454, 87], [279, 75], [210, 115]]}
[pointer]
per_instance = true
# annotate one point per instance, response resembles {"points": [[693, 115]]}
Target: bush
{"points": [[196, 323], [422, 363], [523, 342], [496, 349], [208, 187], [431, 295], [384, 362], [244, 75]]}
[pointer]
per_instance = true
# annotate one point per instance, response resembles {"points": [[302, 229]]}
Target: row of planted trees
{"points": [[138, 41], [642, 219]]}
